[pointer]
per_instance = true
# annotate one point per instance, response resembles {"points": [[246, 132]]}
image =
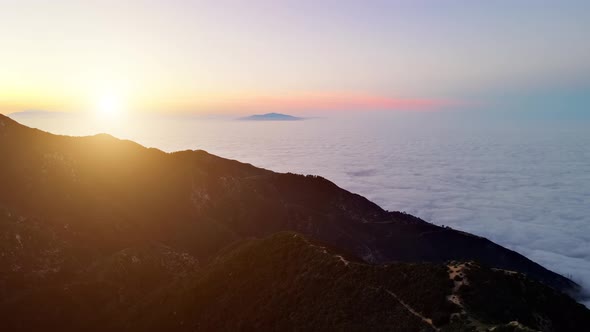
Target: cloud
{"points": [[526, 189], [334, 101]]}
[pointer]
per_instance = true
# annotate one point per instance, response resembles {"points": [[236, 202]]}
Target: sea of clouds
{"points": [[524, 185]]}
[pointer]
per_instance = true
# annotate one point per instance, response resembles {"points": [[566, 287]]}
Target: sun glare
{"points": [[109, 107], [110, 113]]}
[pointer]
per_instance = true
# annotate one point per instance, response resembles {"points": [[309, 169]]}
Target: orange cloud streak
{"points": [[331, 102]]}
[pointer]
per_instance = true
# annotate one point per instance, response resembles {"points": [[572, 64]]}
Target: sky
{"points": [[295, 56]]}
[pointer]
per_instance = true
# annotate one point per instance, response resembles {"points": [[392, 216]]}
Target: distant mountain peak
{"points": [[271, 117]]}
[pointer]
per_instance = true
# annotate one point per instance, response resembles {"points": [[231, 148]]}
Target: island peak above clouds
{"points": [[271, 117]]}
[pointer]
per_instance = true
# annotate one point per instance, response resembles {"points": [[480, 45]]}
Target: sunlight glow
{"points": [[110, 113], [109, 107]]}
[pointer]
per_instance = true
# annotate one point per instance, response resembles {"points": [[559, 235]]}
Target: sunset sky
{"points": [[296, 56]]}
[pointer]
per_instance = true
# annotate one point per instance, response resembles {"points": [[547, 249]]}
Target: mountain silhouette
{"points": [[99, 232], [271, 117]]}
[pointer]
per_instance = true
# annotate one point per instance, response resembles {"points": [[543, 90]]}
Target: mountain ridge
{"points": [[70, 202], [282, 277], [240, 197], [228, 198], [271, 117]]}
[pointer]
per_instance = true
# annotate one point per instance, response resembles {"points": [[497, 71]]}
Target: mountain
{"points": [[104, 231], [354, 295], [287, 282], [271, 117], [106, 194]]}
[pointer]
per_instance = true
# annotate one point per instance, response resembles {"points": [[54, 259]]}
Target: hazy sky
{"points": [[244, 56]]}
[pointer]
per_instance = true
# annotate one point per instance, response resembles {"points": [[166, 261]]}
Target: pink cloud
{"points": [[333, 102]]}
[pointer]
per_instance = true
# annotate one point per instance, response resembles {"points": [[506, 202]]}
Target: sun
{"points": [[109, 107], [109, 113]]}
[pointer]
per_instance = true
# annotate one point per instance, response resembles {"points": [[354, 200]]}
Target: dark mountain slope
{"points": [[286, 282], [99, 195]]}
